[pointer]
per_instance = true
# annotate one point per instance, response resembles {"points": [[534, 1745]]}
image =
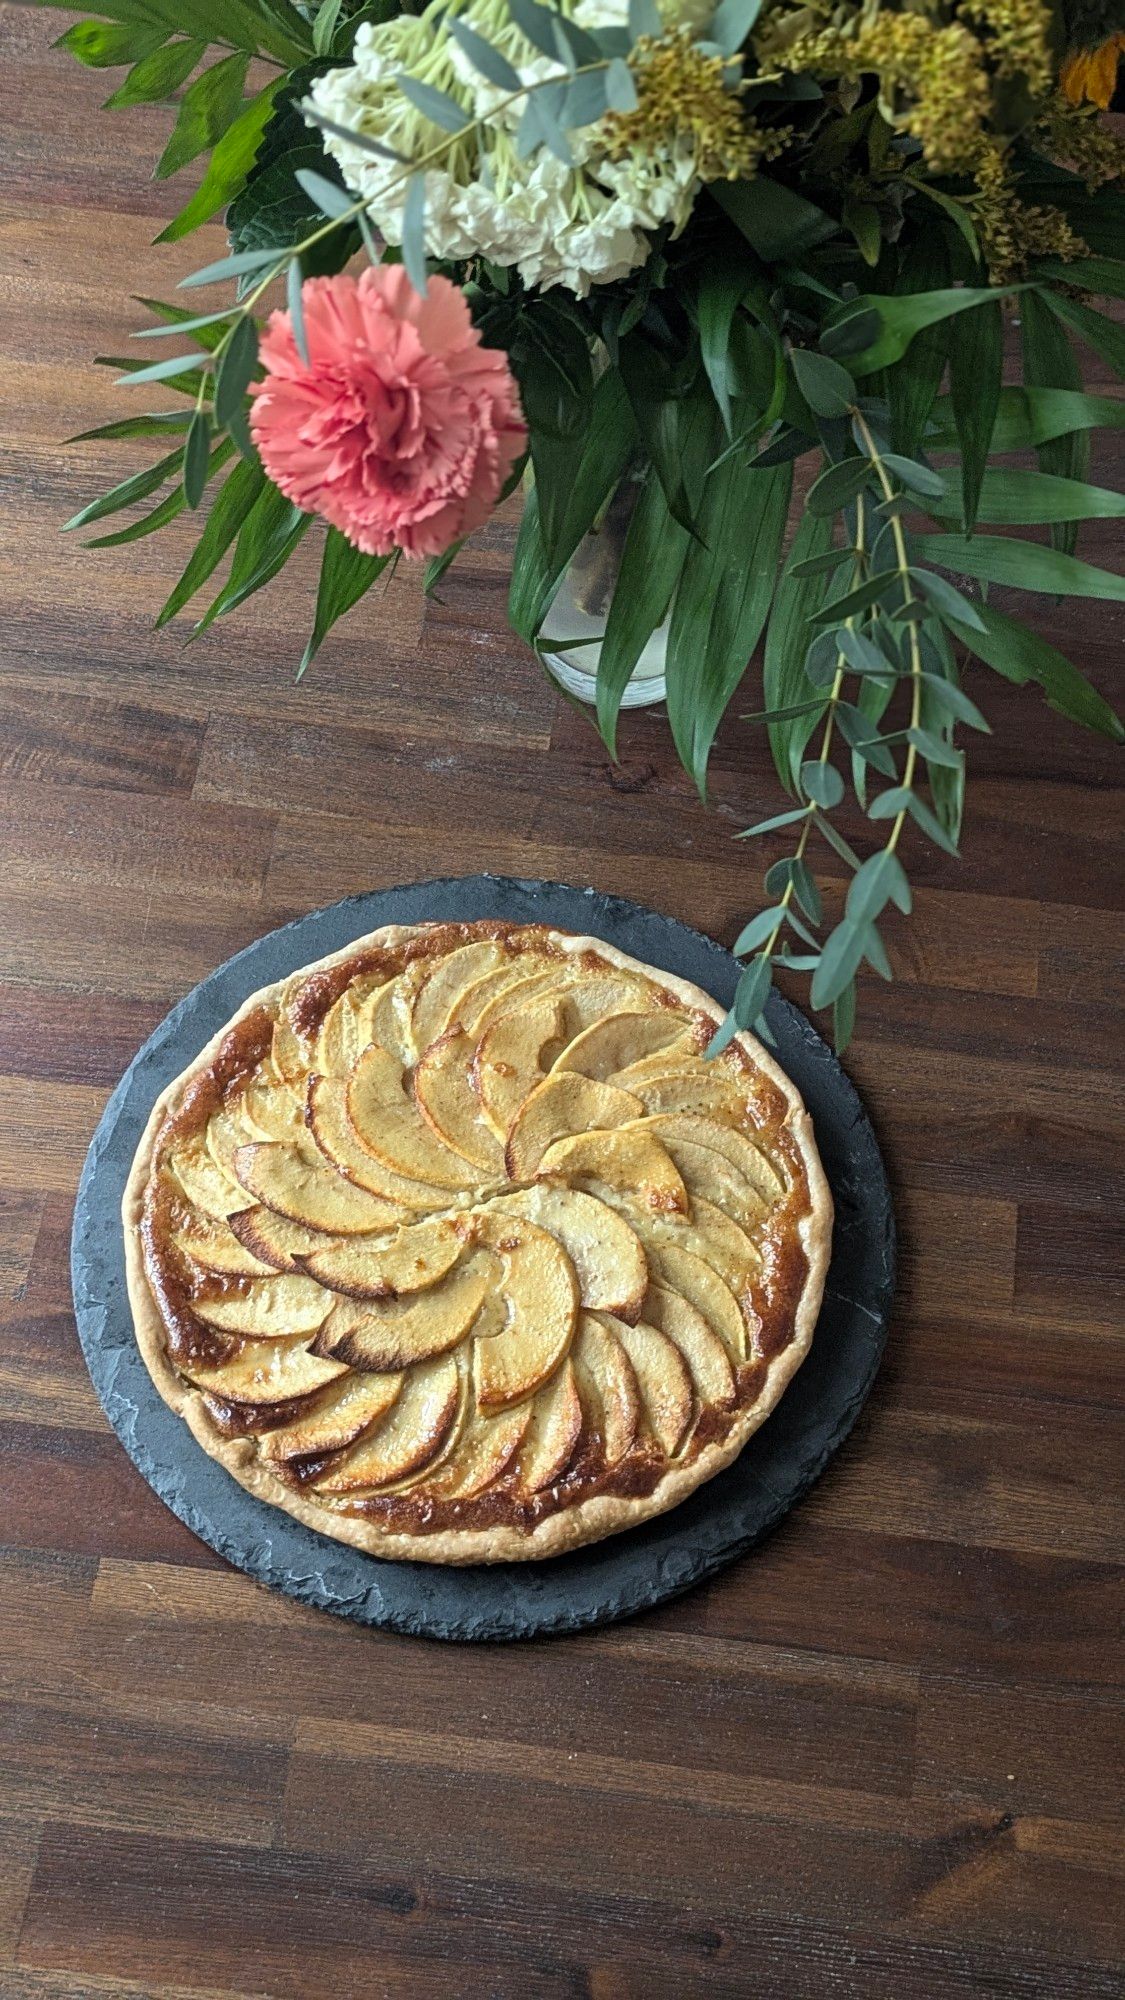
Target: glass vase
{"points": [[572, 633]]}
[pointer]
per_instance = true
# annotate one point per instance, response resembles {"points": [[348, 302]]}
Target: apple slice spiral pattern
{"points": [[457, 1235]]}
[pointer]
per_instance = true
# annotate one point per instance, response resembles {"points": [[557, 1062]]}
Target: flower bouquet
{"points": [[651, 257]]}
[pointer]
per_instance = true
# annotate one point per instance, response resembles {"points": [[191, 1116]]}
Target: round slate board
{"points": [[610, 1579]]}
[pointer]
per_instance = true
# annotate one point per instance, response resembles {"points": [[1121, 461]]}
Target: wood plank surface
{"points": [[878, 1758]]}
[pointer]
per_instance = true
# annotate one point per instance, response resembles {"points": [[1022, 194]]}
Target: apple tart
{"points": [[457, 1247]]}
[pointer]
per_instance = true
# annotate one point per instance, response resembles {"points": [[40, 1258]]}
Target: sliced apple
{"points": [[450, 1106], [565, 1102], [442, 994], [553, 1434], [335, 1135], [268, 1308], [227, 1130], [606, 1253], [281, 1245], [511, 1058], [625, 1158], [705, 1172], [397, 1333], [273, 1110], [612, 1044], [741, 1152], [213, 1245], [541, 1290], [206, 1185], [608, 1386], [535, 981], [292, 1056], [311, 1192], [664, 1379], [388, 1124], [681, 1271], [386, 1268], [407, 1439], [267, 1371], [391, 1011], [701, 1090], [593, 997], [341, 1415], [703, 1351], [707, 1234], [346, 1028], [647, 1068], [486, 1447]]}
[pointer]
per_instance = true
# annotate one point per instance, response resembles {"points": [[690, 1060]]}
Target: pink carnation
{"points": [[401, 429]]}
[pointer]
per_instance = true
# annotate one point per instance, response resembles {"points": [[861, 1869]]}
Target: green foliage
{"points": [[831, 307]]}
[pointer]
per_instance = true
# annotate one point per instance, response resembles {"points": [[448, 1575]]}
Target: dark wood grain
{"points": [[877, 1760]]}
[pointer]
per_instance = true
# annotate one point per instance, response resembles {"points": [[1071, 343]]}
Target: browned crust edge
{"points": [[590, 1520]]}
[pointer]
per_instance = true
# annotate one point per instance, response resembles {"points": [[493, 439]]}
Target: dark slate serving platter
{"points": [[610, 1579]]}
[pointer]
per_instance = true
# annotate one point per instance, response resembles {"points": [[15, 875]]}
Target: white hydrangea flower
{"points": [[574, 226]]}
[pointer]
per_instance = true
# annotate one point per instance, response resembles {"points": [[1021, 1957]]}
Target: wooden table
{"points": [[874, 1759]]}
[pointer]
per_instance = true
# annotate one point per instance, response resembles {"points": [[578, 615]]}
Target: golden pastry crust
{"points": [[568, 1342]]}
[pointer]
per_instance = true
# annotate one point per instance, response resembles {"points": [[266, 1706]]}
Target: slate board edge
{"points": [[661, 1559]]}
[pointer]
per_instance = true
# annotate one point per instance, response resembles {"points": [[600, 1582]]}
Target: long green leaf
{"points": [[911, 387], [779, 224], [1031, 417], [130, 490], [1027, 565], [722, 603], [1020, 655], [207, 107], [610, 443], [167, 510], [230, 163], [1015, 499], [1049, 363], [157, 75], [229, 509], [903, 318], [346, 573], [651, 562], [1105, 336], [976, 361], [785, 684], [266, 538], [102, 45]]}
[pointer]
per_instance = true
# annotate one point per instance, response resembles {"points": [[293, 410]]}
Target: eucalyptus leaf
{"points": [[236, 369], [488, 60], [837, 485], [414, 234], [758, 930], [946, 599], [839, 962], [197, 452], [822, 783], [331, 199], [732, 22], [934, 750], [827, 387], [775, 824], [436, 105], [880, 880], [294, 289], [752, 992]]}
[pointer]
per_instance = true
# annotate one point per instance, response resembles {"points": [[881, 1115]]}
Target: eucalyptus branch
{"points": [[909, 597]]}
